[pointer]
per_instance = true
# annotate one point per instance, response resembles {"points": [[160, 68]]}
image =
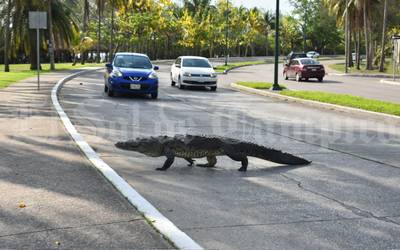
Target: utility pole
{"points": [[227, 33], [276, 84], [111, 48]]}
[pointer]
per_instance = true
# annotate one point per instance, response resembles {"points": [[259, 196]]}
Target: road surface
{"points": [[348, 198]]}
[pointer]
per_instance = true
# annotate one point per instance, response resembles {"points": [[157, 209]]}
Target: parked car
{"points": [[304, 68], [193, 71], [312, 54], [131, 73]]}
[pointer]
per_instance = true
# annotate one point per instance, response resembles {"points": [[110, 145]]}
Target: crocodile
{"points": [[189, 147]]}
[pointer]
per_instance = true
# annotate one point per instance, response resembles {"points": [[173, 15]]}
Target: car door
{"points": [[292, 66], [176, 69]]}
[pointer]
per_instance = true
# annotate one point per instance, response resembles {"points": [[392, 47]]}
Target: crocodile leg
{"points": [[190, 160], [167, 163], [241, 158], [212, 160]]}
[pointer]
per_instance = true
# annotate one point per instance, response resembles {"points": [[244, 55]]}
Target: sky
{"points": [[264, 4]]}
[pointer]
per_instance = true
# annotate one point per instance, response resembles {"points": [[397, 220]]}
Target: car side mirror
{"points": [[177, 65], [287, 64], [156, 67], [109, 65]]}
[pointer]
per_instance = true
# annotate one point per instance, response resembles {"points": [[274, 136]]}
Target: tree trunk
{"points": [[266, 44], [382, 64], [350, 55], [7, 39], [367, 31], [358, 42], [110, 55], [99, 4], [51, 37], [86, 7], [33, 49]]}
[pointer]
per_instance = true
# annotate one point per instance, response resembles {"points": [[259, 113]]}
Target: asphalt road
{"points": [[348, 198], [368, 87]]}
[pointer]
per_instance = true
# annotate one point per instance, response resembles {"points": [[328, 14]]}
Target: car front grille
{"points": [[135, 78], [195, 82], [200, 75]]}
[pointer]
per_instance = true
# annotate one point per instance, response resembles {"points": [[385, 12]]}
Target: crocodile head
{"points": [[149, 146]]}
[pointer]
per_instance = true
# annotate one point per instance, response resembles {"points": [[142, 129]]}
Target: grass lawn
{"points": [[222, 68], [332, 98], [258, 85], [21, 71], [340, 67]]}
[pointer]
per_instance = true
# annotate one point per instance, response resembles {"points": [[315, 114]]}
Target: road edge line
{"points": [[180, 239], [313, 103]]}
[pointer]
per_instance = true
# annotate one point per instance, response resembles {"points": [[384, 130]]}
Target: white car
{"points": [[193, 71], [312, 54]]}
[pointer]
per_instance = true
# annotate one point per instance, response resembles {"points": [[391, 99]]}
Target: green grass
{"points": [[347, 100], [21, 71], [340, 67], [259, 85], [338, 99], [222, 68]]}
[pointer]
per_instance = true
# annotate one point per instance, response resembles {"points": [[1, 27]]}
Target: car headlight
{"points": [[153, 75], [116, 73], [213, 75], [187, 74]]}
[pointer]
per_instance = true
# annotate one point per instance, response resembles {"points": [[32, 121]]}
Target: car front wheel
{"points": [[285, 76], [172, 81], [154, 95], [320, 79], [214, 88], [110, 92], [180, 86]]}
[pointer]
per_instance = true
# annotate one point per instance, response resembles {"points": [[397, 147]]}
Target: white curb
{"points": [[159, 221], [314, 103], [389, 82]]}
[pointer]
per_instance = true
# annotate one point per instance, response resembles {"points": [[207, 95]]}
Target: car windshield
{"points": [[309, 62], [132, 61], [196, 63]]}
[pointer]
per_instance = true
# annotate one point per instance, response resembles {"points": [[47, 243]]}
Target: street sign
{"points": [[38, 21]]}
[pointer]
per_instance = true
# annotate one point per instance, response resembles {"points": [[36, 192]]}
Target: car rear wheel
{"points": [[214, 88], [172, 81], [154, 95], [298, 77], [320, 79], [285, 76]]}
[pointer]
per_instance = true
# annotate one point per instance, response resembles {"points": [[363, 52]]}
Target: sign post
{"points": [[396, 54], [38, 21]]}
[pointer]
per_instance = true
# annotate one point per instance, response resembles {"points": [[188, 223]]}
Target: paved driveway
{"points": [[348, 198], [359, 86]]}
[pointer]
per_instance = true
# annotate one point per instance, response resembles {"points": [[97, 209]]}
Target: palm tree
{"points": [[85, 27], [382, 63], [7, 38], [51, 36], [100, 10], [269, 24], [64, 26]]}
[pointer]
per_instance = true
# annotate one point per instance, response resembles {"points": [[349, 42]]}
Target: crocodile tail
{"points": [[270, 154]]}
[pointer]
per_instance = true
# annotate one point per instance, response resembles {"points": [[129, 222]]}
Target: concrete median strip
{"points": [[159, 221], [314, 103]]}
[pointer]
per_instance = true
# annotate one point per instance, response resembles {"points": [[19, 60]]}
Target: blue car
{"points": [[131, 73]]}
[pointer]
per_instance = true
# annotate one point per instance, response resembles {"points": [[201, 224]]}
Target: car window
{"points": [[132, 61], [178, 61], [294, 62], [196, 63], [308, 62]]}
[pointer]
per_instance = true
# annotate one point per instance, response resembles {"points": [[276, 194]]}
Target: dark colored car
{"points": [[131, 73], [304, 68]]}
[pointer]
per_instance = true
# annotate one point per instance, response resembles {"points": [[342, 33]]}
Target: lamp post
{"points": [[227, 33], [276, 84]]}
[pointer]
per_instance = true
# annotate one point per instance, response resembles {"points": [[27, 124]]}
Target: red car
{"points": [[304, 68]]}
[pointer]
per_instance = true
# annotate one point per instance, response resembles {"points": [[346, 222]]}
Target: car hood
{"points": [[135, 72], [198, 70]]}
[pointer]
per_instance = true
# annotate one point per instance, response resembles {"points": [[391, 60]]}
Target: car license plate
{"points": [[135, 86], [314, 70]]}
